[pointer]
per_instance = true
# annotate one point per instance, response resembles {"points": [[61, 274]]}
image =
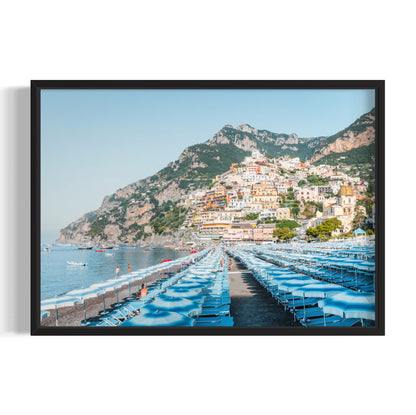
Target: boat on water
{"points": [[108, 254], [99, 250], [46, 249], [107, 246], [78, 264], [166, 260], [85, 247]]}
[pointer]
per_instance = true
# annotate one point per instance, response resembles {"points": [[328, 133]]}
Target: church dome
{"points": [[346, 191]]}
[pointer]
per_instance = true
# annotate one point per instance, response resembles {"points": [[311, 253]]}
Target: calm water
{"points": [[57, 277]]}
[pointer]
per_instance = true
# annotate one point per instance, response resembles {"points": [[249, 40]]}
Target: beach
{"points": [[73, 316]]}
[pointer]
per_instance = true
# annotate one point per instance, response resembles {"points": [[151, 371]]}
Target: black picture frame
{"points": [[377, 85]]}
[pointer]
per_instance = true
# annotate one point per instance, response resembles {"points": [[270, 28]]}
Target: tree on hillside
{"points": [[295, 211], [313, 232], [325, 229], [287, 223], [251, 216], [283, 233]]}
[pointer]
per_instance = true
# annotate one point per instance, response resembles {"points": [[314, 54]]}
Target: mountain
{"points": [[361, 133], [149, 207]]}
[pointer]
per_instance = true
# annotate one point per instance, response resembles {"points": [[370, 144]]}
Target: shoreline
{"points": [[72, 316]]}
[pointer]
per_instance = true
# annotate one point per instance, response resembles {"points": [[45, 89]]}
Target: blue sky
{"points": [[94, 142]]}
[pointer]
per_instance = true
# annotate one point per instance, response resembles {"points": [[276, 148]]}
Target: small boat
{"points": [[147, 250], [85, 247], [46, 249], [193, 252], [166, 260], [108, 254], [107, 246], [78, 264], [99, 250]]}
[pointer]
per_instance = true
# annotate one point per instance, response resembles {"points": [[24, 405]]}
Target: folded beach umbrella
{"points": [[158, 318], [84, 294], [106, 286], [350, 304], [118, 283], [173, 304], [59, 302]]}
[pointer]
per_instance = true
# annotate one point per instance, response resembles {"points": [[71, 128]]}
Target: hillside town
{"points": [[246, 202]]}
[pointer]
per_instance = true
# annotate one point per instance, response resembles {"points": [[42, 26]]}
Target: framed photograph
{"points": [[207, 207]]}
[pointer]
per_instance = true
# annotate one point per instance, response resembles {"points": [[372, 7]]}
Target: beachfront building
{"points": [[214, 230], [238, 232], [262, 233]]}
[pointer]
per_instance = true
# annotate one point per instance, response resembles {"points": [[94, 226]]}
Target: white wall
{"points": [[213, 40]]}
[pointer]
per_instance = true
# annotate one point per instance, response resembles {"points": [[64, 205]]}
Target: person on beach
{"points": [[129, 268], [143, 292], [117, 272]]}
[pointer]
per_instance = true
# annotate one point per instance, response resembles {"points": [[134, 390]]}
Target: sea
{"points": [[58, 277]]}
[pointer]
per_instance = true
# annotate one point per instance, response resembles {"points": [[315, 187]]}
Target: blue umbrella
{"points": [[318, 289], [351, 305], [173, 304], [291, 285], [157, 319], [190, 284], [193, 295]]}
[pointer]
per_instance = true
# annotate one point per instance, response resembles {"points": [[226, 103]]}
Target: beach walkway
{"points": [[251, 304]]}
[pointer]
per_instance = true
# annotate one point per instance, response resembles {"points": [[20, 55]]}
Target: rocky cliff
{"points": [[359, 134]]}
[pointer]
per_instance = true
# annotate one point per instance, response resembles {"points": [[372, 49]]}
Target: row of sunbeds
{"points": [[343, 273], [304, 310], [215, 298]]}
